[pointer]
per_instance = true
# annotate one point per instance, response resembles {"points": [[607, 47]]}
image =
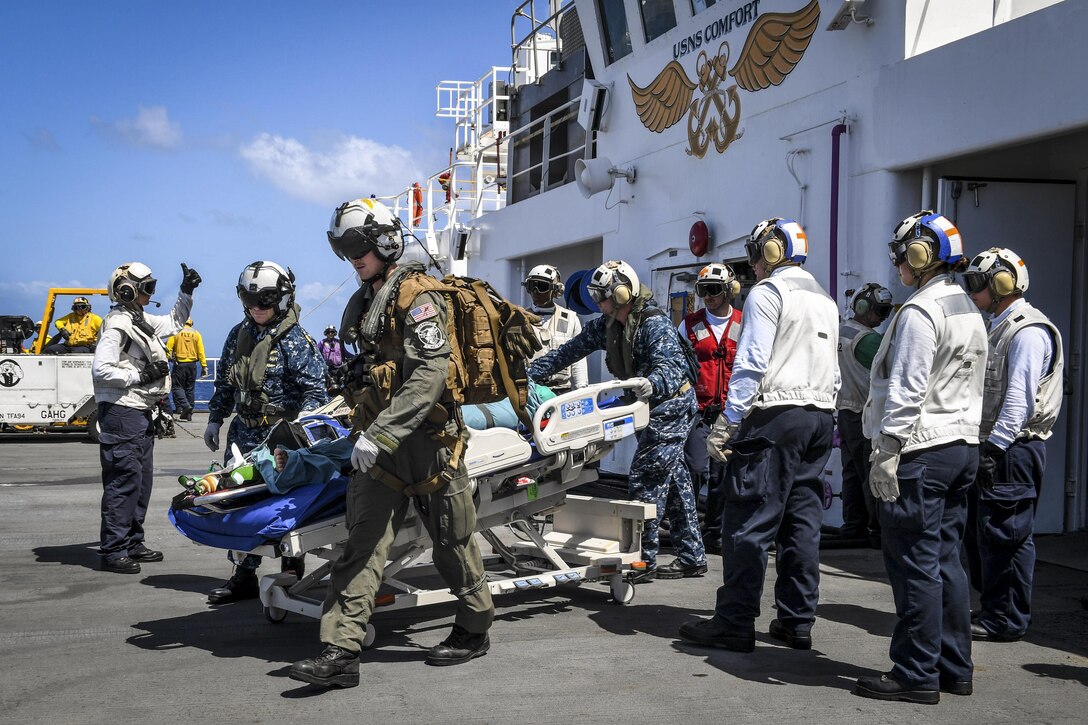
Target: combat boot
{"points": [[334, 667], [243, 584], [459, 647]]}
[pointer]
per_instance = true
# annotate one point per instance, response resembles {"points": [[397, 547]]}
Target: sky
{"points": [[216, 134]]}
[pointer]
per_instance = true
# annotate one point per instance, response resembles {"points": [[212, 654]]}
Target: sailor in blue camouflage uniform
{"points": [[641, 345], [270, 370]]}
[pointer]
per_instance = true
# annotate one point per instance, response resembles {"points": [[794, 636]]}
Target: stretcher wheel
{"points": [[623, 591], [275, 615], [370, 636]]}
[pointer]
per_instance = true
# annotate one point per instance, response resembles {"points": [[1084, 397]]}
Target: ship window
{"points": [[698, 6], [616, 33], [658, 17]]}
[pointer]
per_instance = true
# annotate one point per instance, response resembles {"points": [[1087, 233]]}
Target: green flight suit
{"points": [[375, 510]]}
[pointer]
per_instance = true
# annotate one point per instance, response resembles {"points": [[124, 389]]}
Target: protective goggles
{"points": [[709, 289], [897, 252], [81, 307], [537, 286], [975, 281], [598, 294], [352, 244], [265, 299], [753, 250]]}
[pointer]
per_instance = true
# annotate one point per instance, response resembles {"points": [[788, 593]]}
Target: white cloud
{"points": [[152, 127], [351, 167]]}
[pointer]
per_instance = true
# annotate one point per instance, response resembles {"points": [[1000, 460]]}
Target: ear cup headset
{"points": [[777, 241], [717, 274], [872, 297], [130, 280], [1002, 270], [924, 240], [615, 280]]}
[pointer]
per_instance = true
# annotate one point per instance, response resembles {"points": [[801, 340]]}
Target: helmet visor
{"points": [[975, 281], [264, 299], [146, 286], [352, 244], [537, 286], [598, 294], [897, 252], [753, 250], [709, 289]]}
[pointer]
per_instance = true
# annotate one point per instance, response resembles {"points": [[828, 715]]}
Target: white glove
{"points": [[364, 453], [883, 474], [211, 436], [643, 388], [717, 441]]}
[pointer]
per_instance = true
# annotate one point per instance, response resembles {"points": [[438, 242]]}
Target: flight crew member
{"points": [[922, 415], [871, 305], [409, 450], [557, 326], [130, 376], [76, 331], [713, 332], [641, 345], [777, 427], [186, 350], [270, 370], [1022, 399]]}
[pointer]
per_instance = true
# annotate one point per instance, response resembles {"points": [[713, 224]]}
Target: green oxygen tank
{"points": [[243, 474]]}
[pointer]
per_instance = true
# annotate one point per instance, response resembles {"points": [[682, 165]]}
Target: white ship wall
{"points": [[1008, 101]]}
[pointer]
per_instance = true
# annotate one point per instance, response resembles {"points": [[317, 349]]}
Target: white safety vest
{"points": [[142, 395], [1048, 398], [553, 331], [952, 407], [855, 376], [803, 361]]}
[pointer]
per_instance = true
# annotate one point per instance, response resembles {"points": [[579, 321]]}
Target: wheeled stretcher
{"points": [[518, 477]]}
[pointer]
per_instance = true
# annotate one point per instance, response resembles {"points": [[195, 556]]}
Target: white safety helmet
{"points": [[543, 278], [267, 285], [1002, 270], [777, 241], [924, 240], [872, 297], [129, 281], [615, 280], [716, 278], [363, 225], [330, 328]]}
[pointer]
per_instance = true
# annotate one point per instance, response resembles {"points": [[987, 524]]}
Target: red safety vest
{"points": [[715, 357]]}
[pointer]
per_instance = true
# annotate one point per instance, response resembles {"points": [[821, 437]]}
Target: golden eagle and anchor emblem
{"points": [[773, 48]]}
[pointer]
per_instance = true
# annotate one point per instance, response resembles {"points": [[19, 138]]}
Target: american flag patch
{"points": [[423, 312]]}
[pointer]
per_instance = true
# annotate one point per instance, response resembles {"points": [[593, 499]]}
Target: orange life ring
{"points": [[417, 204]]}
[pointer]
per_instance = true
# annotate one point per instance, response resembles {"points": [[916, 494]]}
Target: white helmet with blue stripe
{"points": [[925, 240], [777, 241]]}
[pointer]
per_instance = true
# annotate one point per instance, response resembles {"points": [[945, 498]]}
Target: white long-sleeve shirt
{"points": [[1030, 354], [106, 369]]}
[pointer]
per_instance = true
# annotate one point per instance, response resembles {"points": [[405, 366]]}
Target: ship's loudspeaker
{"points": [[593, 176]]}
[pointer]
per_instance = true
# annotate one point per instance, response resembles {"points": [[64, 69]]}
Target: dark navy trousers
{"points": [[859, 517], [921, 537], [1003, 551], [706, 470], [126, 445], [774, 492], [184, 385]]}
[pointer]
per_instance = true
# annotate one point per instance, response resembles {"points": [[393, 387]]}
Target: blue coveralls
{"points": [[658, 472], [294, 380]]}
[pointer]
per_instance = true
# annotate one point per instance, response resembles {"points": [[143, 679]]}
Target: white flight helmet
{"points": [[872, 297], [267, 285], [362, 225], [615, 280], [777, 241], [544, 278], [716, 278], [1002, 270], [130, 280], [924, 240]]}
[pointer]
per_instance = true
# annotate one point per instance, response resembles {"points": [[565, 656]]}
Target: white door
{"points": [[1036, 220]]}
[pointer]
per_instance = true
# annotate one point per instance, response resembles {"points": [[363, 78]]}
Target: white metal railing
{"points": [[532, 52]]}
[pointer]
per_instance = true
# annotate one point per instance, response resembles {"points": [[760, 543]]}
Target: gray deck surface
{"points": [[82, 646]]}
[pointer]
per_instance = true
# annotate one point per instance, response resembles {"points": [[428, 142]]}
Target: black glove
{"points": [[988, 456], [190, 280], [154, 371]]}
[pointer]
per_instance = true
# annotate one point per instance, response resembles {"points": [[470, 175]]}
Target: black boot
{"points": [[459, 647], [335, 667], [242, 585]]}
